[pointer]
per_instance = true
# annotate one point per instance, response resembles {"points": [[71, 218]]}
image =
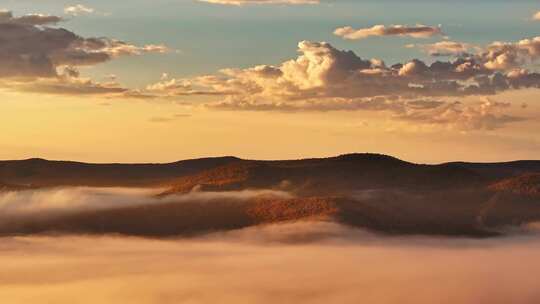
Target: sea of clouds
{"points": [[296, 263], [304, 262]]}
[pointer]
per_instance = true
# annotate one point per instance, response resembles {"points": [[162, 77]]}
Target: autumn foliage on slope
{"points": [[526, 184]]}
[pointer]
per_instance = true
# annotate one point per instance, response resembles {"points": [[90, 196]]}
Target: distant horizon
{"points": [[262, 159]]}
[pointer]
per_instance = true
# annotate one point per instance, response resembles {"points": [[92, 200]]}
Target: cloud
{"points": [[185, 87], [536, 16], [34, 55], [69, 200], [507, 55], [128, 211], [79, 9], [486, 115], [324, 78], [417, 31], [246, 2], [61, 86], [443, 48], [322, 71], [6, 17], [67, 82], [319, 67], [297, 263], [325, 105], [166, 119]]}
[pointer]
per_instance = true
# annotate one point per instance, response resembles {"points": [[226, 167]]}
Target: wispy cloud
{"points": [[443, 48], [486, 115], [166, 119], [79, 9], [69, 200], [417, 31]]}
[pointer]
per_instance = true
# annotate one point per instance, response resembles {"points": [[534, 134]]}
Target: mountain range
{"points": [[372, 191]]}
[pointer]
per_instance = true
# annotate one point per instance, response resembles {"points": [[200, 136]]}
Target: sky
{"points": [[164, 80]]}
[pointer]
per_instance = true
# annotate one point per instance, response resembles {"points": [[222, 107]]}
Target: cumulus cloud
{"points": [[322, 71], [34, 55], [244, 2], [324, 78], [417, 31], [79, 9], [507, 55]]}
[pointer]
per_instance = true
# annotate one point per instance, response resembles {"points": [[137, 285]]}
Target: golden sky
{"points": [[456, 97]]}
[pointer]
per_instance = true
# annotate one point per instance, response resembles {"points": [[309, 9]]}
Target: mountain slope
{"points": [[328, 176], [527, 184], [43, 173]]}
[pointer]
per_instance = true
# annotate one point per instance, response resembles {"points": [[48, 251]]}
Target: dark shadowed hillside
{"points": [[42, 173], [501, 170], [329, 176]]}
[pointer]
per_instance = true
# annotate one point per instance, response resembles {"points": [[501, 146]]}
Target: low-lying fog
{"points": [[289, 263], [73, 199], [303, 262]]}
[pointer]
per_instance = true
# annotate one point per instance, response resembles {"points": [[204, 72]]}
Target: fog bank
{"points": [[75, 199], [291, 263]]}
